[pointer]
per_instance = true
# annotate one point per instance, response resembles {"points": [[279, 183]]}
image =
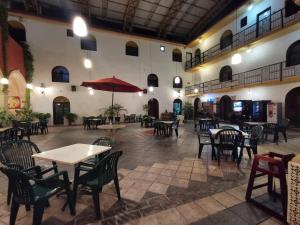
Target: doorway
{"points": [[292, 106], [153, 108], [226, 108], [61, 106], [197, 108], [263, 22], [188, 60], [177, 106]]}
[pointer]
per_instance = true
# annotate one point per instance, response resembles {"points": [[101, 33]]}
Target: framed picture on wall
{"points": [[14, 102]]}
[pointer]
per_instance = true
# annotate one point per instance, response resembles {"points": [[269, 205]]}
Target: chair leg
{"points": [[95, 194], [13, 212], [38, 213], [70, 200], [117, 186], [284, 135], [249, 152], [9, 193], [176, 131], [218, 156], [200, 150]]}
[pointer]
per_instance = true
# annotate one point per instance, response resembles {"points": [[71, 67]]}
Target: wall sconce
{"points": [[151, 89], [42, 88], [29, 86], [4, 81]]}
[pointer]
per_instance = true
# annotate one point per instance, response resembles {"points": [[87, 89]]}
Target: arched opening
{"points": [[61, 106], [152, 80], [177, 106], [88, 43], [177, 55], [132, 48], [292, 106], [177, 82], [226, 39], [293, 54], [225, 74], [17, 31], [197, 108], [197, 56], [226, 108], [16, 91], [153, 108], [60, 74]]}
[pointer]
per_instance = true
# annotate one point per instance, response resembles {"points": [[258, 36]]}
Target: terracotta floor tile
{"points": [[159, 188], [142, 168], [171, 167], [166, 172], [226, 199], [136, 174], [148, 220], [155, 170], [183, 175], [199, 177], [199, 170], [134, 194], [185, 169], [270, 221], [170, 217], [174, 162], [163, 179], [187, 163], [178, 182], [126, 183], [191, 212], [210, 205], [141, 185], [124, 172], [238, 193], [159, 165], [149, 176]]}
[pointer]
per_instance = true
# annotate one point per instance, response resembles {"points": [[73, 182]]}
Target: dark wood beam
{"points": [[129, 14]]}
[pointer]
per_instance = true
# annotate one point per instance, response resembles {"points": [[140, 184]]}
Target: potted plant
{"points": [[25, 114], [188, 110], [5, 118], [71, 117], [109, 112], [145, 109], [117, 109], [43, 116]]}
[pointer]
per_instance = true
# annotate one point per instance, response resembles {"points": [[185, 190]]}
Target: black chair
{"points": [[103, 173], [254, 137], [29, 191], [203, 134], [282, 127], [229, 140], [43, 126], [271, 129], [174, 127], [11, 134], [18, 155]]}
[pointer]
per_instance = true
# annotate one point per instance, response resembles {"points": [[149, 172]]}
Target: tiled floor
{"points": [[162, 182]]}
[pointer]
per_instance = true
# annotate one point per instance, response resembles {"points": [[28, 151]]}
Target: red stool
{"points": [[273, 165]]}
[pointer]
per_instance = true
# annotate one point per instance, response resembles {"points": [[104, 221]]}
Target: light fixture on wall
{"points": [[177, 80], [151, 89], [29, 86], [249, 50], [250, 7], [196, 90], [89, 88], [140, 94], [162, 48], [4, 81], [42, 88], [79, 27], [236, 59], [91, 92], [87, 63]]}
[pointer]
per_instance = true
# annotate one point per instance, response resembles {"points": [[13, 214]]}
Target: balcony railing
{"points": [[274, 72], [275, 21]]}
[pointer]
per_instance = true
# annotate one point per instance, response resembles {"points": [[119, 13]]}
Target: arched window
{"points": [[225, 74], [197, 56], [17, 31], [89, 43], [152, 80], [132, 48], [177, 55], [177, 82], [60, 74], [293, 54], [226, 39]]}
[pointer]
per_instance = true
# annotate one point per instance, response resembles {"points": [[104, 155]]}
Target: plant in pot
{"points": [[71, 117], [188, 110], [25, 114], [5, 118], [109, 112], [117, 109], [43, 116]]}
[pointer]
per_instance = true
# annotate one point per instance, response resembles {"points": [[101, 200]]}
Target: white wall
{"points": [[51, 47]]}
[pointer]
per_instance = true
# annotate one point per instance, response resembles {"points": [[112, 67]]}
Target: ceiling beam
{"points": [[151, 12], [171, 14], [129, 14], [104, 8], [32, 6]]}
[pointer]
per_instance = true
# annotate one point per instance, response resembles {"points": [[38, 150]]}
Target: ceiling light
{"points": [[151, 89], [87, 63], [250, 7], [177, 80], [4, 81], [91, 92], [140, 94], [29, 86], [236, 59], [79, 27], [196, 90], [89, 88], [162, 48]]}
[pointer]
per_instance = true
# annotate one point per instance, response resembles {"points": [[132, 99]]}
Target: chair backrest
{"points": [[106, 170], [256, 132], [205, 125], [20, 184], [230, 138], [104, 141], [10, 134], [19, 152]]}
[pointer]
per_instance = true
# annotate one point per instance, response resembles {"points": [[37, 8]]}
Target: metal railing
{"points": [[275, 21], [273, 72]]}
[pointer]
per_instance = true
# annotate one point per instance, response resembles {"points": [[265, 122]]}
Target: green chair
{"points": [[30, 191], [103, 173]]}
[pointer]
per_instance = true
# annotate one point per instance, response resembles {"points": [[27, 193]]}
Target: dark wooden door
{"points": [[263, 22], [59, 110], [153, 108], [292, 106]]}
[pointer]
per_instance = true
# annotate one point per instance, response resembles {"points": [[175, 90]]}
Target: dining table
{"points": [[71, 155]]}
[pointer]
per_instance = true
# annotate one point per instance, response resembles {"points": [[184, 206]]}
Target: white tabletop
{"points": [[72, 154], [215, 131], [167, 122], [111, 126], [256, 123]]}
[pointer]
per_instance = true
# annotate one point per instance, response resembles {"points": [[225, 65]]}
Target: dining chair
{"points": [[175, 127], [31, 191], [103, 173], [271, 129], [282, 127], [229, 140], [18, 155], [203, 134], [252, 141]]}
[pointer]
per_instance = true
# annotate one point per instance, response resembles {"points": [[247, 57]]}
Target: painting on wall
{"points": [[14, 102]]}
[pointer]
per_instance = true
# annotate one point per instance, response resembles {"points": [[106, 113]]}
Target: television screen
{"points": [[237, 106]]}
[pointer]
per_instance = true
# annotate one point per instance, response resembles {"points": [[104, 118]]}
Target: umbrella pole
{"points": [[112, 106]]}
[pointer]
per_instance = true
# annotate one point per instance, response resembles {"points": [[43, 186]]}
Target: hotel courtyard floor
{"points": [[162, 182]]}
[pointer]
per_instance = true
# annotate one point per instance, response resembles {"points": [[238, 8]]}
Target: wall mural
{"points": [[14, 102]]}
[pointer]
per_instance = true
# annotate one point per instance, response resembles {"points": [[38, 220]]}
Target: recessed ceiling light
{"points": [[250, 7], [162, 48], [79, 27]]}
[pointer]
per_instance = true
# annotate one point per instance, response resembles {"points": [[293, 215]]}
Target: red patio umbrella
{"points": [[111, 84]]}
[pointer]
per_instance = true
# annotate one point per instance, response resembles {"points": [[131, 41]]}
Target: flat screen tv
{"points": [[237, 106]]}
